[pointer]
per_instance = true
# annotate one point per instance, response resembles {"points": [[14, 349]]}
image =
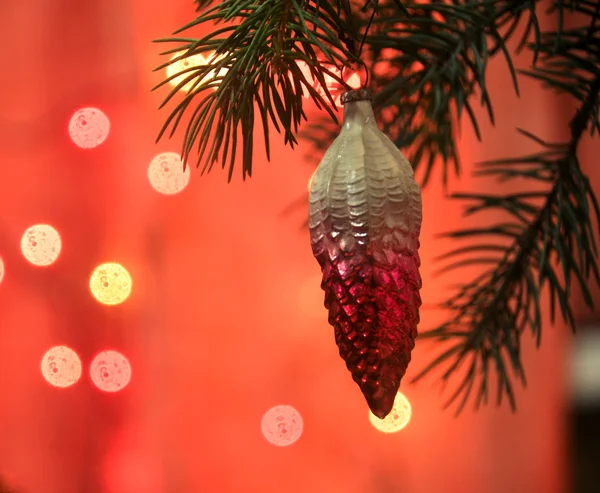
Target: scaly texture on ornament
{"points": [[110, 371], [166, 173], [365, 219], [110, 283], [282, 425], [61, 367], [89, 127], [41, 245], [397, 419]]}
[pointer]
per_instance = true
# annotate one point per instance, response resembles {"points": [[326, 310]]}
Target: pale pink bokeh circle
{"points": [[282, 425], [110, 371], [89, 127]]}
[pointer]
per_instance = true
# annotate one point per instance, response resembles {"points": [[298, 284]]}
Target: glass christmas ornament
{"points": [[364, 220]]}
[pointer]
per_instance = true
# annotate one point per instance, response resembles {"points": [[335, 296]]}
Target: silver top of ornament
{"points": [[363, 94]]}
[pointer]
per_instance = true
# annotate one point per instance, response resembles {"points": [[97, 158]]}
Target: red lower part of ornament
{"points": [[373, 301]]}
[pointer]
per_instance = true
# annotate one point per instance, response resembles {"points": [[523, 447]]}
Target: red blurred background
{"points": [[225, 319]]}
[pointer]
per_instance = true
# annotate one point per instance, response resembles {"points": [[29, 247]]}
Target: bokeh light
{"points": [[282, 425], [1, 270], [41, 245], [89, 127], [397, 419], [110, 371], [61, 367], [166, 173], [188, 62], [110, 283]]}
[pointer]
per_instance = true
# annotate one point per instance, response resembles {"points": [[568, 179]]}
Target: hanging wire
{"points": [[362, 43]]}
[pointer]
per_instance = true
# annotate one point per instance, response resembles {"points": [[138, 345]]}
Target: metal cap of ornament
{"points": [[365, 218]]}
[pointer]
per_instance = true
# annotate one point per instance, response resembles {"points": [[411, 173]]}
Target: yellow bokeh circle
{"points": [[397, 419], [110, 283]]}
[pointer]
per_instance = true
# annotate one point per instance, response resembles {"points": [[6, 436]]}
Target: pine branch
{"points": [[256, 70], [263, 41], [550, 238], [429, 67]]}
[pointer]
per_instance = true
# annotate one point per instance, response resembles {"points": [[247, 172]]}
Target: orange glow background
{"points": [[225, 319]]}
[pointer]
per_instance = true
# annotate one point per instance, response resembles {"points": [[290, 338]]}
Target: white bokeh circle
{"points": [[166, 173], [398, 417], [188, 62], [89, 127], [110, 283], [110, 371], [282, 425], [41, 245], [178, 66], [1, 270], [61, 367]]}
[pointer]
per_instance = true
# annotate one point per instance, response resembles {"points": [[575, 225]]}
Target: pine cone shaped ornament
{"points": [[365, 218]]}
